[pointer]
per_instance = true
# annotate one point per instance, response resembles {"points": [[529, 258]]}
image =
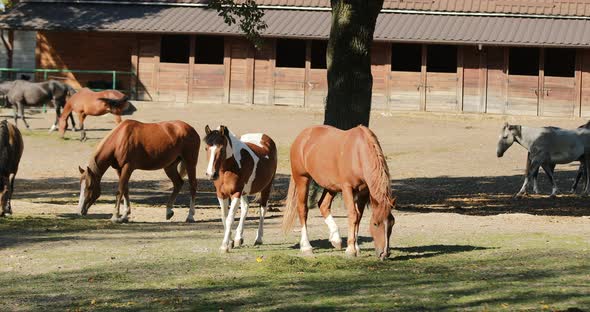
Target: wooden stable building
{"points": [[488, 56]]}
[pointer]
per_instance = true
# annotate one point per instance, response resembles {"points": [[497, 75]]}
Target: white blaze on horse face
{"points": [[82, 190], [210, 169]]}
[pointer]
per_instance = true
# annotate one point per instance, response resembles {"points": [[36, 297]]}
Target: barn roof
{"points": [[391, 26], [538, 7]]}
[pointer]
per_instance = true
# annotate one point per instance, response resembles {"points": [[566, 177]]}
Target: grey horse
{"points": [[20, 93], [546, 146]]}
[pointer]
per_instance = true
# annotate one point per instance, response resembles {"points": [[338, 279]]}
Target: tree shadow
{"points": [[483, 196]]}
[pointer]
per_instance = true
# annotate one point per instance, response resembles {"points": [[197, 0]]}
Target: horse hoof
{"points": [[224, 249], [115, 220], [307, 252], [230, 245], [337, 245], [258, 242], [190, 220], [123, 220], [351, 253], [169, 215], [239, 242]]}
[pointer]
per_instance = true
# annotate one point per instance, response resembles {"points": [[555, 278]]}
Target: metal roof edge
{"points": [[303, 8]]}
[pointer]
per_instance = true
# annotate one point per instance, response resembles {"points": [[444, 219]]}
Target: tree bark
{"points": [[350, 82]]}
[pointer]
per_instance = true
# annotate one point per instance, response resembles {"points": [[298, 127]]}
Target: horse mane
{"points": [[115, 102], [377, 173], [4, 147]]}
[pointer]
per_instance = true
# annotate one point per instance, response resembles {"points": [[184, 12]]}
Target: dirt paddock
{"points": [[450, 185]]}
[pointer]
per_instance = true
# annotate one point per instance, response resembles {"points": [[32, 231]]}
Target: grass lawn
{"points": [[68, 263]]}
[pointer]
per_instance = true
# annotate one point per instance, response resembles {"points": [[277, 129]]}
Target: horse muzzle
{"points": [[213, 176], [382, 255]]}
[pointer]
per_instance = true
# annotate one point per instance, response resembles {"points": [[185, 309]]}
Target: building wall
{"points": [[24, 44], [85, 51]]}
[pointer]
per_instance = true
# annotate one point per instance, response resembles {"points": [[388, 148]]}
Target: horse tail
{"points": [[376, 173], [291, 207], [4, 148]]}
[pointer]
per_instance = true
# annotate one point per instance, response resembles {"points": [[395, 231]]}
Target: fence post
{"points": [[114, 79]]}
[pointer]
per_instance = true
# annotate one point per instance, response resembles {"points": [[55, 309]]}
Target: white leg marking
{"points": [[53, 127], [223, 203], [126, 205], [304, 243], [244, 211], [211, 160], [191, 211], [260, 232], [334, 234], [225, 245]]}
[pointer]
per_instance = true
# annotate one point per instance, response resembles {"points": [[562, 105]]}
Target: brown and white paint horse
{"points": [[240, 167], [89, 103], [145, 146], [350, 162]]}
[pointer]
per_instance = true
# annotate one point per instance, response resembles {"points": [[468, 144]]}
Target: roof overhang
{"points": [[395, 27]]}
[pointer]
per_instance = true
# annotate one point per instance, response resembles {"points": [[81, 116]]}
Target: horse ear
{"points": [[225, 131], [506, 125], [207, 129], [81, 170], [393, 201]]}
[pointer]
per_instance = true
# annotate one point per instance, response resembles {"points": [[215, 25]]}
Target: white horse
{"points": [[547, 146]]}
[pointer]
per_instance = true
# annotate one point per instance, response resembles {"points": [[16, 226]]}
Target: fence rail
{"points": [[113, 73]]}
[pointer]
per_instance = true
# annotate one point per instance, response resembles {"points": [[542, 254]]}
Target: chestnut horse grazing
{"points": [[89, 103], [11, 150], [146, 146], [240, 167], [350, 162]]}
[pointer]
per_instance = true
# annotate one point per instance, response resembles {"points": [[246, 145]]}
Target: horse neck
{"points": [[236, 149], [98, 164], [527, 136]]}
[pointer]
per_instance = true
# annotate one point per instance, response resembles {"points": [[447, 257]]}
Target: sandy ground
{"points": [[444, 168]]}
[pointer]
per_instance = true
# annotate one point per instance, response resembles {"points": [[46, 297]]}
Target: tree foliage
{"points": [[246, 14]]}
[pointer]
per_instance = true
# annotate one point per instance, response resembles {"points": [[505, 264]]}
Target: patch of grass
{"points": [[144, 267]]}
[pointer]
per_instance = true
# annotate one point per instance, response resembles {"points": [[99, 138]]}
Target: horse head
{"points": [[89, 189], [218, 147], [382, 222], [507, 138]]}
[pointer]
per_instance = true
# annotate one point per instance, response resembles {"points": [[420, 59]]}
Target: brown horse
{"points": [[146, 146], [240, 167], [89, 103], [350, 162], [11, 150]]}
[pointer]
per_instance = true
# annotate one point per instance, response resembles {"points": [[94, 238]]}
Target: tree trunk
{"points": [[349, 62]]}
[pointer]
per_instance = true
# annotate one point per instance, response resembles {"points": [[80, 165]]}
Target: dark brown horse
{"points": [[240, 167], [145, 146], [350, 162], [11, 150], [89, 103]]}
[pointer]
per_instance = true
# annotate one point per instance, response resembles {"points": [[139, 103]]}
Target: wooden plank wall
{"points": [[585, 83], [380, 69], [473, 92], [240, 71], [148, 51], [85, 51], [263, 74]]}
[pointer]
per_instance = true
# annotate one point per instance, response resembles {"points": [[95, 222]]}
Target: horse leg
{"points": [[264, 195], [81, 118], [587, 171], [10, 190], [4, 196], [534, 165], [177, 183], [57, 115], [302, 186], [226, 245], [549, 170], [361, 203], [21, 109], [325, 204], [71, 116], [526, 177], [192, 182], [579, 174], [239, 237], [124, 175], [353, 219], [224, 204], [15, 110]]}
